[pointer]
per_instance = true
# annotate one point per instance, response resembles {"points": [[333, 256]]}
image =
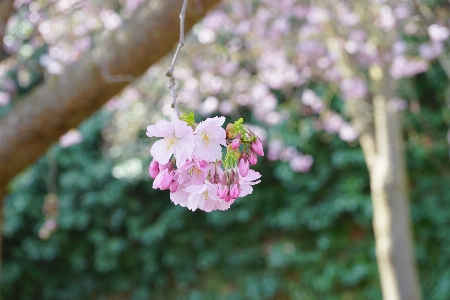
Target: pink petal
{"points": [[161, 129], [160, 152], [210, 153]]}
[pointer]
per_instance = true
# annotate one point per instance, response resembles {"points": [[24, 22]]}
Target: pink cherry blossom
{"points": [[202, 196], [178, 140], [247, 182], [209, 136], [200, 179]]}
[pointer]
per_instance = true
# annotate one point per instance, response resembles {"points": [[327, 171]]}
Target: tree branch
{"points": [[6, 11], [63, 101]]}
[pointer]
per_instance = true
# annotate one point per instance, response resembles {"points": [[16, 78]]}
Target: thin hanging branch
{"points": [[174, 60]]}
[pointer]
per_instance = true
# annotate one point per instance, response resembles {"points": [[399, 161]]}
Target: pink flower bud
{"points": [[257, 147], [236, 142], [243, 167], [163, 167], [222, 191], [216, 178], [228, 198], [167, 181], [234, 191], [153, 169], [252, 159], [202, 164], [163, 180], [174, 186]]}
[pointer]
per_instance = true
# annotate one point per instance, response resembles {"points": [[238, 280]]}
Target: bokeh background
{"points": [[83, 222]]}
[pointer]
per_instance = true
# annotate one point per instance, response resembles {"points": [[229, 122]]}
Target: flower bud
{"points": [[257, 147], [203, 165], [163, 167], [236, 142], [222, 191], [252, 159], [174, 186], [167, 181], [228, 198], [243, 167], [163, 180], [234, 191], [153, 169], [216, 178]]}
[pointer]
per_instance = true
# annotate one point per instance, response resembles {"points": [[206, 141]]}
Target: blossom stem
{"points": [[175, 57]]}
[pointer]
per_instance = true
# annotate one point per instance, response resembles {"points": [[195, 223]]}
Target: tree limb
{"points": [[6, 11], [63, 101]]}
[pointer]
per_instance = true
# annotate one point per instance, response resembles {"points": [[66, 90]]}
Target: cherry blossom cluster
{"points": [[188, 161]]}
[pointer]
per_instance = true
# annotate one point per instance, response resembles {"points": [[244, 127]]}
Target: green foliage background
{"points": [[298, 236]]}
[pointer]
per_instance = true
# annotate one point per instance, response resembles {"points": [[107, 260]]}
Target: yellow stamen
{"points": [[169, 141], [205, 138]]}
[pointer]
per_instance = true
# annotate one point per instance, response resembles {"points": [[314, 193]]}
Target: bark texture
{"points": [[63, 101]]}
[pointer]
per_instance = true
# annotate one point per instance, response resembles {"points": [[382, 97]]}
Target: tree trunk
{"points": [[383, 148], [391, 217]]}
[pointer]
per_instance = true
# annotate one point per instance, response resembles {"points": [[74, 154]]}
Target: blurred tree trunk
{"points": [[383, 148], [6, 10], [64, 101]]}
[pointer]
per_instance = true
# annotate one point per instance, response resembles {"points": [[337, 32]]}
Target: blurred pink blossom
{"points": [[301, 163], [431, 51], [403, 67], [72, 137], [275, 148], [358, 35], [281, 26], [401, 12], [347, 133], [226, 107], [206, 36], [310, 98], [132, 5], [216, 20], [111, 20], [399, 104], [332, 122], [348, 18], [5, 98], [438, 33], [317, 15], [353, 88], [288, 153], [228, 68], [399, 47], [386, 19]]}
